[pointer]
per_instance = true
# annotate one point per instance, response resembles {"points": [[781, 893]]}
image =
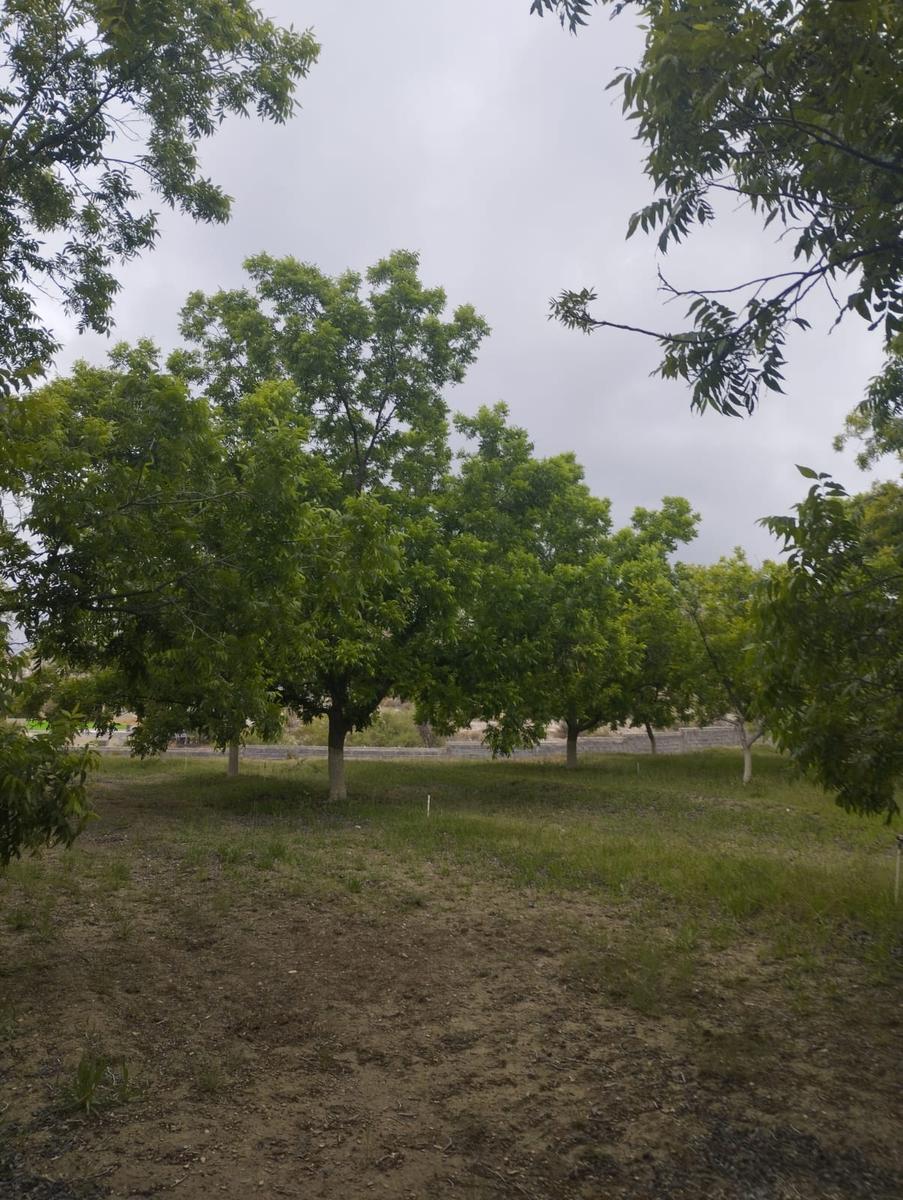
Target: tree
{"points": [[720, 601], [163, 547], [609, 654], [365, 368], [103, 100], [537, 627], [590, 649], [43, 798], [831, 648], [660, 690], [552, 628], [80, 78], [793, 106]]}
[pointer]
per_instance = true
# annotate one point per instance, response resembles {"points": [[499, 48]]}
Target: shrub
{"points": [[43, 798]]}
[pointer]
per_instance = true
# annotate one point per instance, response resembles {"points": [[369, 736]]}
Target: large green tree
{"points": [[537, 637], [561, 622], [101, 103], [589, 649], [792, 107], [831, 647], [163, 546], [612, 653], [366, 361]]}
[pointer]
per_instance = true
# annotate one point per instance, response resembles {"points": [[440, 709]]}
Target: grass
{"points": [[97, 1082], [690, 861], [650, 973], [256, 949], [681, 844]]}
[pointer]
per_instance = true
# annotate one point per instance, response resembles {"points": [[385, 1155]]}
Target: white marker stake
{"points": [[428, 813]]}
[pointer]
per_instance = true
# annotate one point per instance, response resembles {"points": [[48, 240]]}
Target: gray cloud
{"points": [[485, 139]]}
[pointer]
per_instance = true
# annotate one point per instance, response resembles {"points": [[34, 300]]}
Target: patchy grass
{"points": [[491, 993], [96, 1083], [681, 843]]}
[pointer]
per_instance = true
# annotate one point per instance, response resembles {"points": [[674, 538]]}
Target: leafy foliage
{"points": [[660, 688], [572, 13], [101, 101], [531, 532], [794, 107], [614, 631], [877, 421], [43, 799], [551, 627], [160, 555], [720, 600], [364, 363], [832, 644]]}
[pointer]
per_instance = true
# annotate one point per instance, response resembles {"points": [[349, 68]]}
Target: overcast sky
{"points": [[484, 138]]}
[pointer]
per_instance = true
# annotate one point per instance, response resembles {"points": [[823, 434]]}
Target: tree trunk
{"points": [[573, 734], [232, 767], [337, 732], [746, 743], [650, 733]]}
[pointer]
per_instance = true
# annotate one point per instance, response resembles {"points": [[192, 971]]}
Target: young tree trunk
{"points": [[650, 733], [746, 743], [232, 766], [573, 734], [337, 732], [747, 764]]}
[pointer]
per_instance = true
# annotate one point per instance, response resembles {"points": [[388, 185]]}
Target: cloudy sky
{"points": [[484, 138]]}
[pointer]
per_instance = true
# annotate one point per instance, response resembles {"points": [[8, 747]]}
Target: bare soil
{"points": [[425, 1043]]}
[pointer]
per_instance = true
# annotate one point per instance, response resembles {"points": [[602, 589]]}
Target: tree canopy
{"points": [[560, 613], [794, 108], [102, 102], [162, 546], [526, 526], [832, 642], [365, 362]]}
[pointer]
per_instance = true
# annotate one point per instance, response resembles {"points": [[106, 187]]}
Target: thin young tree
{"points": [[720, 601]]}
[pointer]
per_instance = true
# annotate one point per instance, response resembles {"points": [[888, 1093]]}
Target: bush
{"points": [[43, 798]]}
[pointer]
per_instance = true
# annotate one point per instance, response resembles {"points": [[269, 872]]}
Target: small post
{"points": [[427, 804], [897, 871]]}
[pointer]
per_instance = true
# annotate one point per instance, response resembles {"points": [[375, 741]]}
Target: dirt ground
{"points": [[318, 1046]]}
